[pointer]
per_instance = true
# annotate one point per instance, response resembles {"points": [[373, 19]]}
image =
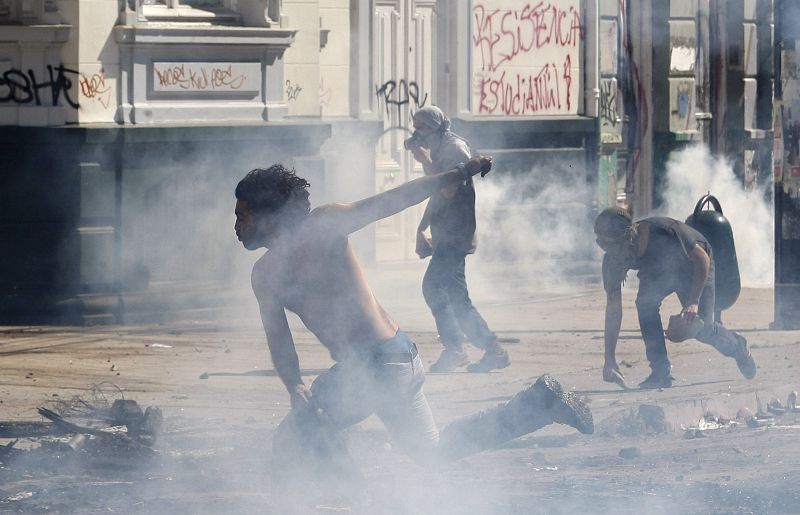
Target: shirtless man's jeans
{"points": [[386, 381]]}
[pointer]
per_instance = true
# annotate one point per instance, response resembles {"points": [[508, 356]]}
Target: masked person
{"points": [[670, 257], [450, 214], [310, 268]]}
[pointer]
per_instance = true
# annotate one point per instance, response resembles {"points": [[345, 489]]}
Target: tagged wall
{"points": [[526, 57]]}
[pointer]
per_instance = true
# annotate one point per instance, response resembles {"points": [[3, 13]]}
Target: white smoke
{"points": [[540, 222], [693, 172]]}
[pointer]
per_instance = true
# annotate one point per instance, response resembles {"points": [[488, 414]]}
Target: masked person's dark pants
{"points": [[445, 290], [652, 291]]}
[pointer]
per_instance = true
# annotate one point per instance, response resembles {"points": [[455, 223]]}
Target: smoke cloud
{"points": [[539, 219], [693, 172]]}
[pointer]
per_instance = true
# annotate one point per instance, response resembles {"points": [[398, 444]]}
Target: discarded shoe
{"points": [[491, 360], [449, 360], [657, 380], [744, 360]]}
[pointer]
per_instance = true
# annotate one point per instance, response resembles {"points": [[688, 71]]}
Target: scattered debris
{"points": [[709, 422], [28, 429], [16, 497], [98, 428], [761, 420], [159, 346], [775, 407], [791, 401]]}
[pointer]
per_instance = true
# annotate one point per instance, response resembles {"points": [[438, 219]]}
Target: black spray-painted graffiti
{"points": [[396, 94], [324, 93], [608, 103], [292, 90], [19, 87]]}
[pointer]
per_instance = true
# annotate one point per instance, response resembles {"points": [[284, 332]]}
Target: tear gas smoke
{"points": [[539, 221], [693, 172]]}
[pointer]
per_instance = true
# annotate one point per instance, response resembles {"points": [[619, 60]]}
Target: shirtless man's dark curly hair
{"points": [[271, 189]]}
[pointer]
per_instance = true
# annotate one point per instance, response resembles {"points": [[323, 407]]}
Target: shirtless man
{"points": [[310, 269]]}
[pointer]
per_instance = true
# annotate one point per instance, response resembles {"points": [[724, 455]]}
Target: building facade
{"points": [[126, 123]]}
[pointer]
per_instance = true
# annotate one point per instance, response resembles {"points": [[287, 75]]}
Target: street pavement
{"points": [[221, 400]]}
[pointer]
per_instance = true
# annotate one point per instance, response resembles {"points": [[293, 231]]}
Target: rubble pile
{"points": [[97, 431]]}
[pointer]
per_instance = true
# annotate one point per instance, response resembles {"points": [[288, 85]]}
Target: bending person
{"points": [[670, 257]]}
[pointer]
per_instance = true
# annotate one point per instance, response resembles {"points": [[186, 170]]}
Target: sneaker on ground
{"points": [[744, 360], [449, 360], [491, 360], [657, 380]]}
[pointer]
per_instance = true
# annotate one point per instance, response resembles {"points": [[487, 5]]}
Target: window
{"points": [[216, 12], [28, 12]]}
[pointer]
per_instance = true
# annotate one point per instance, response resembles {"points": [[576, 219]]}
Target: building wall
{"points": [[583, 93], [527, 59], [95, 55], [334, 59], [303, 58]]}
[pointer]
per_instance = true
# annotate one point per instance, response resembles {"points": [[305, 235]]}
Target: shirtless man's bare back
{"points": [[310, 269]]}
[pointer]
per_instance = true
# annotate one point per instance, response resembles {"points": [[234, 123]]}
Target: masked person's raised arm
{"points": [[348, 218]]}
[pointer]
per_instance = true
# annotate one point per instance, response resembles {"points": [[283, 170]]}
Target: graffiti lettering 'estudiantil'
{"points": [[516, 93], [396, 94], [18, 87]]}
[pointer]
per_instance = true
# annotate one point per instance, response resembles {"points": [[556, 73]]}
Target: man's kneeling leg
{"points": [[538, 405]]}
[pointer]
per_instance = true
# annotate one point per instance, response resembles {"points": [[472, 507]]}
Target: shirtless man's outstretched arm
{"points": [[349, 218]]}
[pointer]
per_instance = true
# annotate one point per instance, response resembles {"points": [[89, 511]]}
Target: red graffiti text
{"points": [[202, 78], [500, 36], [515, 93]]}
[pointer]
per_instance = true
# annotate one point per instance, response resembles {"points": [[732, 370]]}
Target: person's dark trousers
{"points": [[648, 304], [445, 289], [713, 332]]}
